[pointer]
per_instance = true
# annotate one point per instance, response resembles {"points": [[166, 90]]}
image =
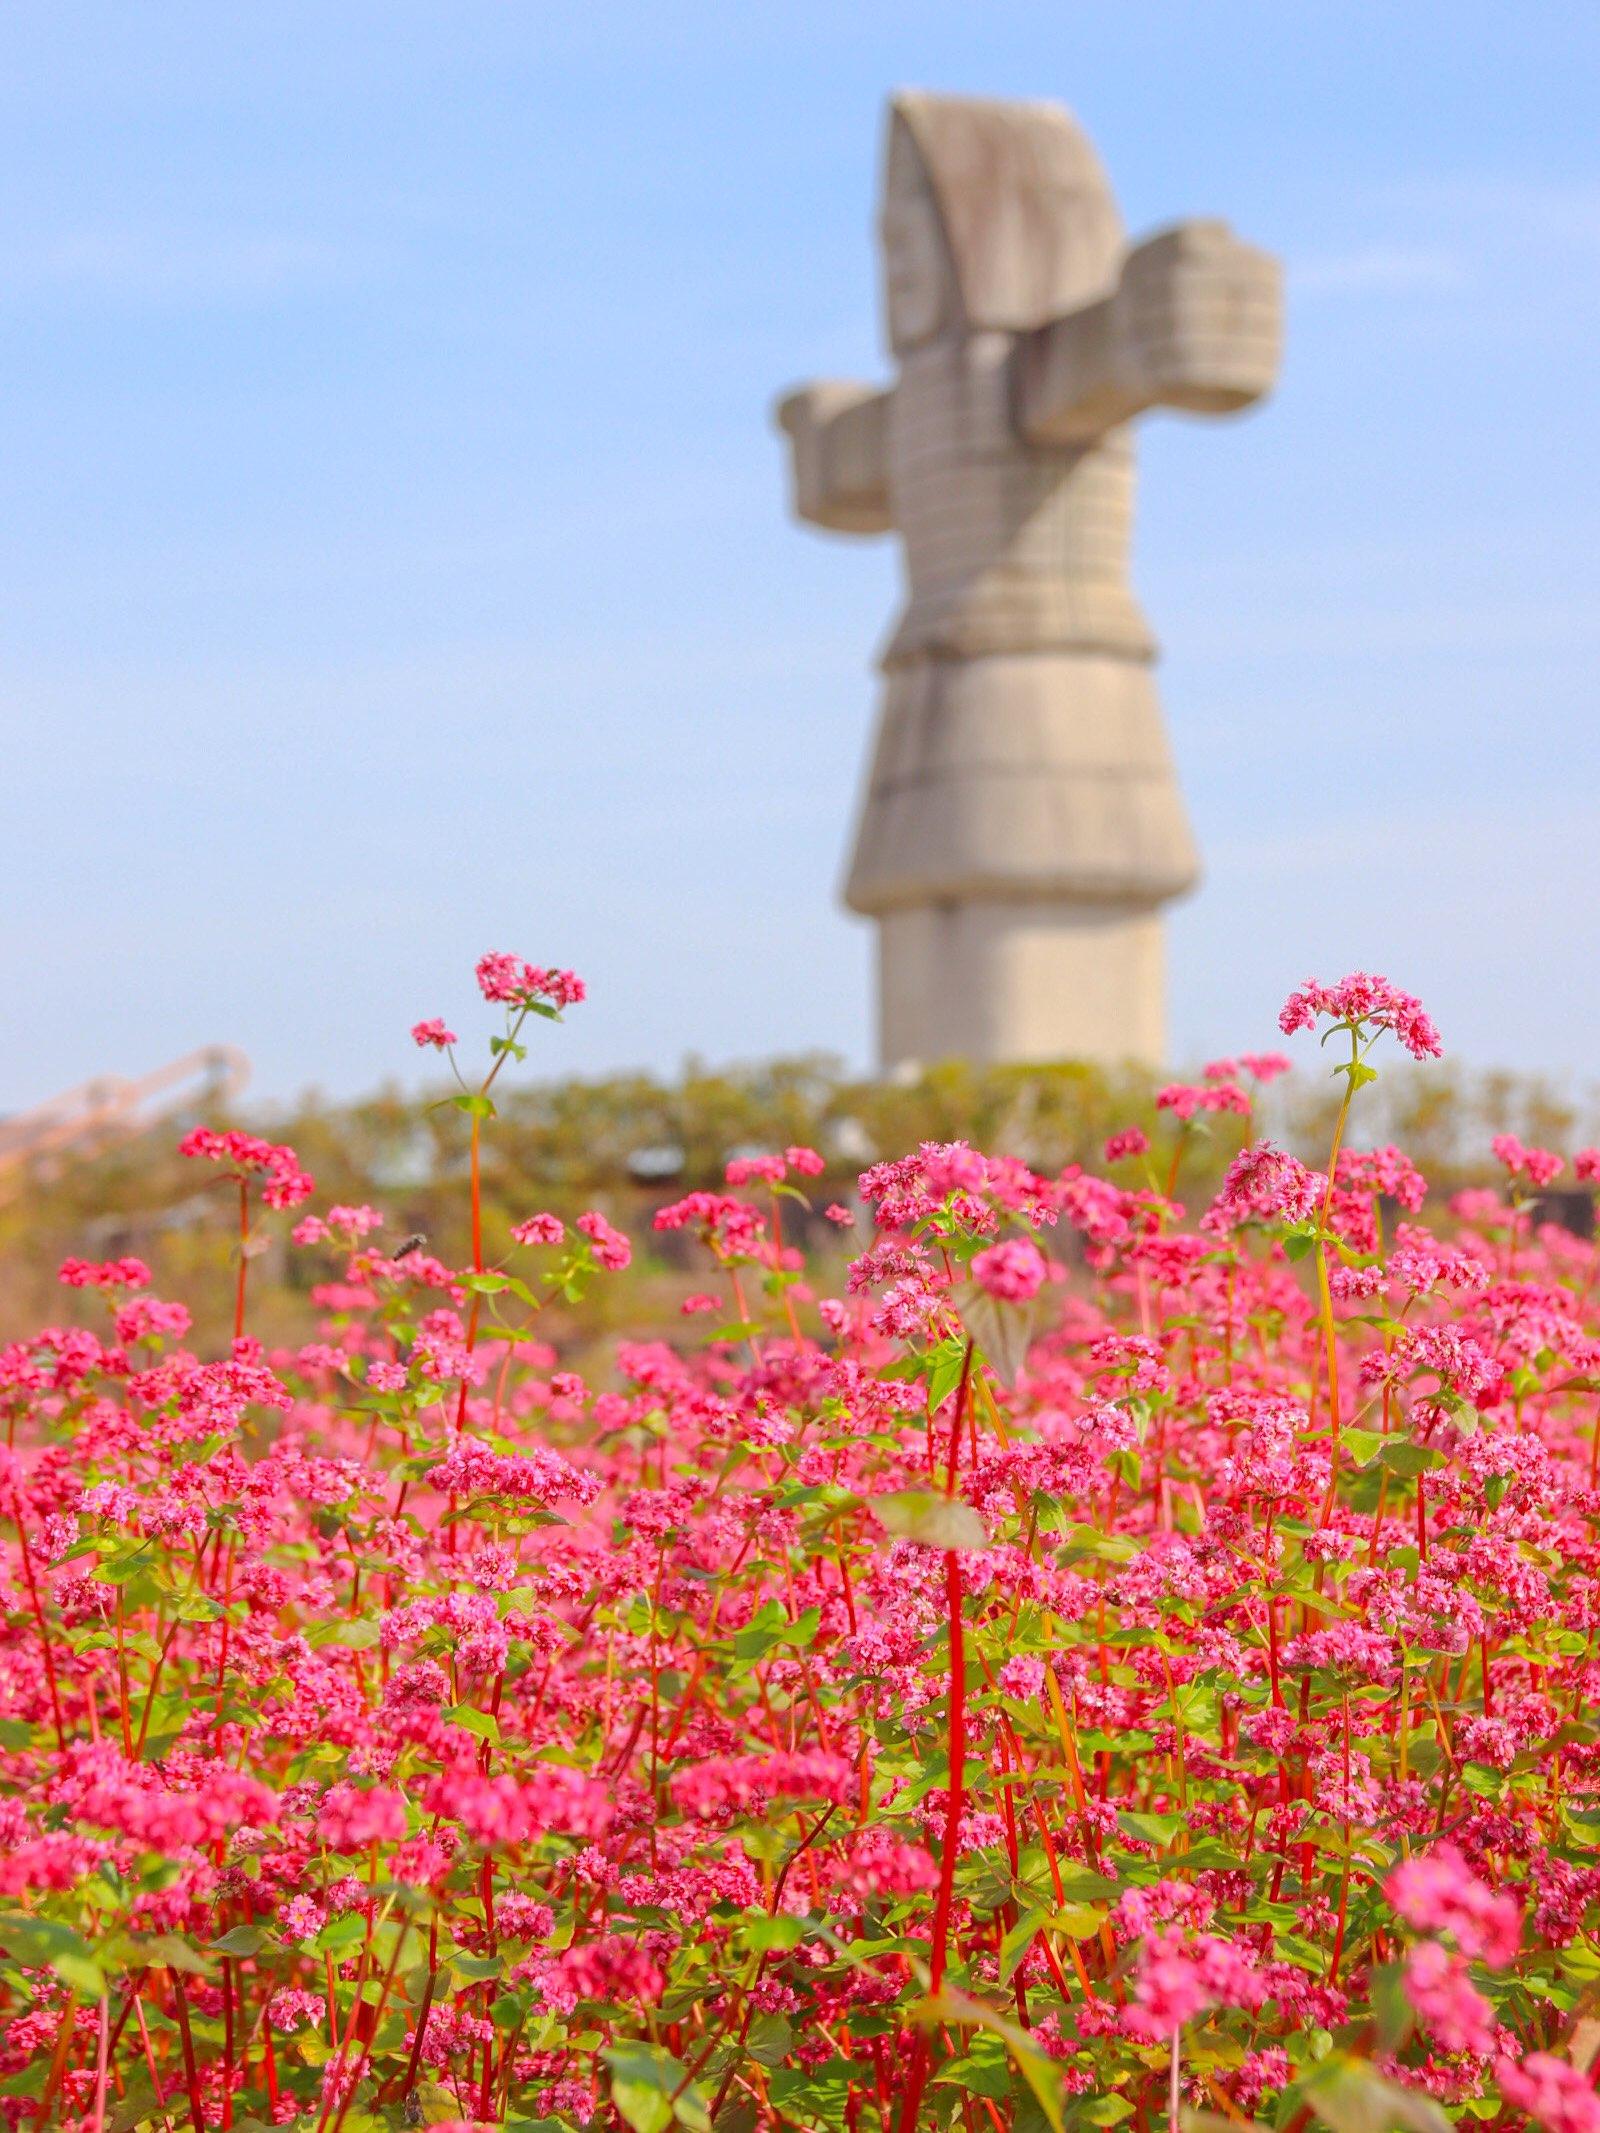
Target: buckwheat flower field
{"points": [[1119, 1662]]}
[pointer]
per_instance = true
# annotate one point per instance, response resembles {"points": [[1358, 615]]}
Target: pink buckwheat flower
{"points": [[1437, 1892], [1540, 1166], [1450, 2007], [1185, 1100], [755, 1169], [1180, 1974], [433, 1033], [539, 1229], [612, 1249], [1264, 1066], [506, 979], [286, 1183], [1553, 2093], [1013, 1271], [1365, 1003], [104, 1274], [1266, 1184], [1131, 1141]]}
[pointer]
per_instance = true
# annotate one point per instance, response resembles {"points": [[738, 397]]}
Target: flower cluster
{"points": [[284, 1184], [507, 979], [1367, 1004]]}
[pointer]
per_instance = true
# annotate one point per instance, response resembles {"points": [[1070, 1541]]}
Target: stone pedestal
{"points": [[1000, 982]]}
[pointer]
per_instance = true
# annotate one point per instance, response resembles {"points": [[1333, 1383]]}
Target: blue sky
{"points": [[394, 550]]}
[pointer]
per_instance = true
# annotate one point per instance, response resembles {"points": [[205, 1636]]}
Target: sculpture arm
{"points": [[839, 445], [1195, 322]]}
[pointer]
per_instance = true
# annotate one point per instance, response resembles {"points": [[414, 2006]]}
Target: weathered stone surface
{"points": [[1021, 825]]}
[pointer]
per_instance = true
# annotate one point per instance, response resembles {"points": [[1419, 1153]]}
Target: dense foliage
{"points": [[1112, 1659]]}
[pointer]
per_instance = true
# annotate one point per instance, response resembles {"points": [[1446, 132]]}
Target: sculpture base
{"points": [[1023, 982]]}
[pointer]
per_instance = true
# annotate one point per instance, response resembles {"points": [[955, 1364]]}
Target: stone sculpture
{"points": [[1022, 826]]}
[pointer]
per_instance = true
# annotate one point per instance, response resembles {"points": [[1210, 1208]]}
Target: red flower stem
{"points": [[957, 1413], [190, 2076], [957, 1760], [227, 2043], [38, 1616], [244, 1258], [477, 1195], [97, 2117], [377, 2017]]}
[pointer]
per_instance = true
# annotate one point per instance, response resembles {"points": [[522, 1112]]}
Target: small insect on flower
{"points": [[414, 1243]]}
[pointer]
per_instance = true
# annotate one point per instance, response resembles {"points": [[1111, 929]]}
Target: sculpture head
{"points": [[994, 215], [919, 283]]}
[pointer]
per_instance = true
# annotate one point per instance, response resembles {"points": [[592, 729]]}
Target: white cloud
{"points": [[165, 266], [1381, 270], [1561, 213]]}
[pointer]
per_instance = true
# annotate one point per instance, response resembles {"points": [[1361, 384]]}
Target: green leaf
{"points": [[763, 1630], [1406, 1457], [935, 1521], [944, 1367], [1363, 1445], [475, 1106], [644, 2085], [47, 1944], [1104, 2111], [1151, 1829], [802, 1631], [176, 1953], [770, 2039], [1017, 1943], [241, 1940], [782, 1932], [982, 2070], [340, 1935], [140, 2104], [1080, 1884], [1347, 2095], [483, 1723], [355, 1636], [1041, 2074]]}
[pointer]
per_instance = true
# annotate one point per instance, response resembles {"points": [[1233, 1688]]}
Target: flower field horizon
{"points": [[1126, 1658]]}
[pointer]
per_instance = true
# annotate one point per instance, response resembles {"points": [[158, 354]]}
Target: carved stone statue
{"points": [[1022, 825]]}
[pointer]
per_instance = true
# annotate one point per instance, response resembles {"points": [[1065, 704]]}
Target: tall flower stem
{"points": [[956, 1756], [954, 1797], [39, 1621], [244, 1259], [1324, 1292]]}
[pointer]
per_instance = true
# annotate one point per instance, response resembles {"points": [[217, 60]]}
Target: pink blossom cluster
{"points": [[508, 979], [286, 1184], [1366, 1004]]}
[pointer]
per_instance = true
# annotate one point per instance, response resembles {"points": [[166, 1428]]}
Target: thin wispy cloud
{"points": [[1553, 212], [1381, 270], [165, 266]]}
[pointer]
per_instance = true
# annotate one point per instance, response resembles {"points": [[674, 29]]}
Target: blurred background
{"points": [[396, 559]]}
